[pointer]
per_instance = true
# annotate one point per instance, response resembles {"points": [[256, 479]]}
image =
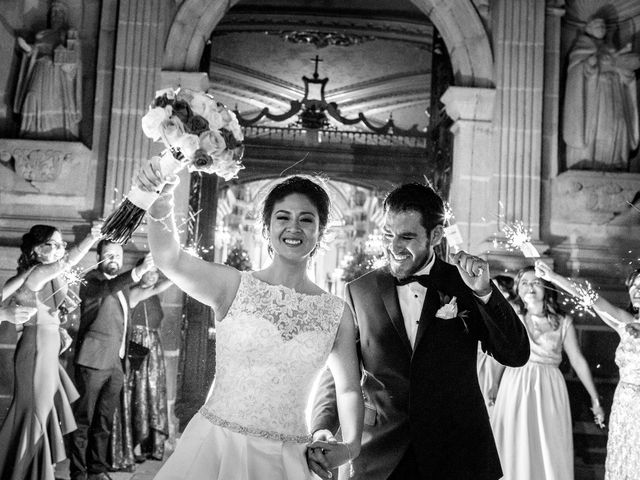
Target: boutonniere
{"points": [[449, 310]]}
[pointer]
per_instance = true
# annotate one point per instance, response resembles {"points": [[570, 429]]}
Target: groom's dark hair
{"points": [[419, 198]]}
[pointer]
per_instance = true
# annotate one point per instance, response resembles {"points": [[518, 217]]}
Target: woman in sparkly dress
{"points": [[275, 330], [623, 446], [531, 420]]}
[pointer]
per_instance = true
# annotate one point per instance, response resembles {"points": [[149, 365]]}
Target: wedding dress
{"points": [[269, 348]]}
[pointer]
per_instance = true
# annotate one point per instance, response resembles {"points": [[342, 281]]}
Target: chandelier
{"points": [[314, 110]]}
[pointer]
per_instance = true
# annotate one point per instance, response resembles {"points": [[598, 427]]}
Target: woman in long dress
{"points": [[623, 445], [531, 419], [40, 412], [141, 422], [275, 329]]}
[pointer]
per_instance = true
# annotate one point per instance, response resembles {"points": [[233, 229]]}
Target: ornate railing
{"points": [[332, 137]]}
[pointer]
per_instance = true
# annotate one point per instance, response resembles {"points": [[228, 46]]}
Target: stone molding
{"points": [[468, 103], [597, 199], [39, 160]]}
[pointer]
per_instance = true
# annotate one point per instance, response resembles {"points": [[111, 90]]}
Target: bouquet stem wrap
{"points": [[199, 133], [121, 224]]}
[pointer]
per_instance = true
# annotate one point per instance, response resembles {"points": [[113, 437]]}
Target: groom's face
{"points": [[408, 244]]}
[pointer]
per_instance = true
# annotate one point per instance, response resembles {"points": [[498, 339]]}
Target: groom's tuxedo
{"points": [[426, 398]]}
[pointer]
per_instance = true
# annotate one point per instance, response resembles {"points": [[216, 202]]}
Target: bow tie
{"points": [[423, 280]]}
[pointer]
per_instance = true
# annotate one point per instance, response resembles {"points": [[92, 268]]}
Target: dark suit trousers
{"points": [[407, 469], [99, 397]]}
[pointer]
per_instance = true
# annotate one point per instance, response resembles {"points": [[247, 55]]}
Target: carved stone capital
{"points": [[468, 103]]}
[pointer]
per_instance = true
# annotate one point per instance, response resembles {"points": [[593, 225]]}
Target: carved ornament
{"points": [[322, 39]]}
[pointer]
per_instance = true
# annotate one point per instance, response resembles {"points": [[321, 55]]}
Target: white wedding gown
{"points": [[269, 348]]}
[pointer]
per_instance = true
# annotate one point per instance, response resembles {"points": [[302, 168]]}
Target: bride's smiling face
{"points": [[634, 292], [294, 227]]}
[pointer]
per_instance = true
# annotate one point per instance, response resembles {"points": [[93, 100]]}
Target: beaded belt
{"points": [[633, 386], [252, 431]]}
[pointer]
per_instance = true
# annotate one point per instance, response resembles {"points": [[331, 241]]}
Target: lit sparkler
{"points": [[519, 238]]}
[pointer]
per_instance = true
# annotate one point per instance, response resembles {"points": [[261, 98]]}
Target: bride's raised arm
{"points": [[210, 283]]}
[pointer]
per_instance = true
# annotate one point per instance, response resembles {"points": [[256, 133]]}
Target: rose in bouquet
{"points": [[199, 134]]}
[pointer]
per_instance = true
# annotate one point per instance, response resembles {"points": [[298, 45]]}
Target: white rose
{"points": [[188, 144], [212, 142], [234, 127], [201, 103], [152, 122], [173, 129]]}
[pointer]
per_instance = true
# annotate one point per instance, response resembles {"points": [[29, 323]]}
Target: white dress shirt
{"points": [[125, 310], [411, 297]]}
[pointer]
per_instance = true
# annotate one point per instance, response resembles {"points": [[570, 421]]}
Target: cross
{"points": [[316, 60]]}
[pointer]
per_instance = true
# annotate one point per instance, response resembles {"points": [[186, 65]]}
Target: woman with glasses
{"points": [[40, 412], [531, 419], [623, 444]]}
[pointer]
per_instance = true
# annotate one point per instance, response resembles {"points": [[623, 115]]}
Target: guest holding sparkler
{"points": [[623, 446], [40, 412], [531, 420], [100, 354]]}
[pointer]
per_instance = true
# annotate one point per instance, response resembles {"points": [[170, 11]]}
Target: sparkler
{"points": [[519, 238]]}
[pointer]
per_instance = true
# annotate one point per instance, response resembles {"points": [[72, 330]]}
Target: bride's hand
{"points": [[335, 453], [150, 178]]}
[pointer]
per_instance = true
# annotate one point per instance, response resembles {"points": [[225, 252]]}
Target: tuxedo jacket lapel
{"points": [[431, 302], [387, 288]]}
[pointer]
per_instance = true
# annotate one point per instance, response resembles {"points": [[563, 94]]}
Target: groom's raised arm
{"points": [[502, 334]]}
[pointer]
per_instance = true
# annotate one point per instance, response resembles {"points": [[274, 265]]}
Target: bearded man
{"points": [[100, 353]]}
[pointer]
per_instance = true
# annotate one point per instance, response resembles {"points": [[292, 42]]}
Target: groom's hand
{"points": [[474, 272], [316, 460]]}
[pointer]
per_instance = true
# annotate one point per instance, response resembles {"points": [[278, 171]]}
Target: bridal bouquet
{"points": [[199, 134]]}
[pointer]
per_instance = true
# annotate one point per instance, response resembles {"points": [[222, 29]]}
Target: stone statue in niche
{"points": [[48, 94], [600, 124]]}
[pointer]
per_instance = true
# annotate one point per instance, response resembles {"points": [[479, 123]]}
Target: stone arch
{"points": [[457, 21]]}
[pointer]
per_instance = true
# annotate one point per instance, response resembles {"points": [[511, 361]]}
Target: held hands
{"points": [[598, 414], [474, 272], [326, 453]]}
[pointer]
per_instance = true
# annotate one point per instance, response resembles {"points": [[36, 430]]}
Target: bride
{"points": [[275, 329]]}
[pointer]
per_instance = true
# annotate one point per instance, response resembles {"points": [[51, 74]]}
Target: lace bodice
{"points": [[628, 358], [545, 342], [269, 348]]}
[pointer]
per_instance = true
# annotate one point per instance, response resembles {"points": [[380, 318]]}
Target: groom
{"points": [[419, 321]]}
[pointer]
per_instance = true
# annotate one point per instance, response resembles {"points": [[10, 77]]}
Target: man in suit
{"points": [[419, 321], [100, 353]]}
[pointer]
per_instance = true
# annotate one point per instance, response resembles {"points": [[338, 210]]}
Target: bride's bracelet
{"points": [[352, 472]]}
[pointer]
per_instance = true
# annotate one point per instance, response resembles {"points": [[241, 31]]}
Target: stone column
{"points": [[550, 111], [471, 191], [138, 58], [519, 40]]}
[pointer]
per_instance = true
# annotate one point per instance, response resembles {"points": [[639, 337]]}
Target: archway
{"points": [[458, 22]]}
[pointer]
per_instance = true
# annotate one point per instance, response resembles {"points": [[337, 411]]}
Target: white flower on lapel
{"points": [[448, 310]]}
